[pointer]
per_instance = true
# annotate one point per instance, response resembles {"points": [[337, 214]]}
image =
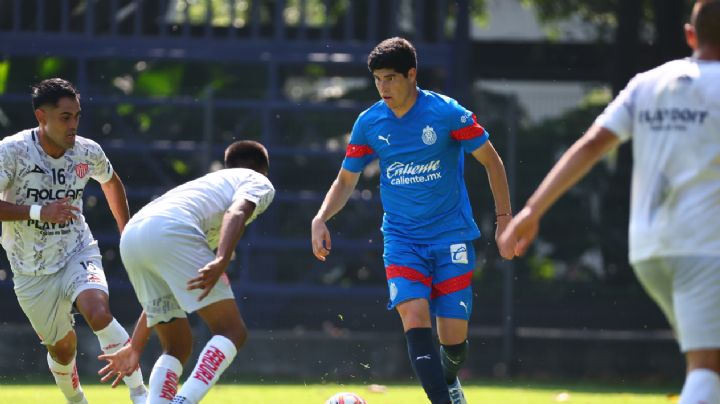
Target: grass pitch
{"points": [[392, 394]]}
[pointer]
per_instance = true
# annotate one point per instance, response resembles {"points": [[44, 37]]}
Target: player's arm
{"points": [[489, 158], [335, 200], [127, 359], [231, 230], [572, 166], [114, 191], [60, 211]]}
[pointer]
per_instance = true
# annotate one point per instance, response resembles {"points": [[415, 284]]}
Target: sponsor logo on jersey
{"points": [[458, 253], [672, 118], [464, 118], [385, 139], [37, 169], [400, 173], [428, 135], [53, 194], [82, 169]]}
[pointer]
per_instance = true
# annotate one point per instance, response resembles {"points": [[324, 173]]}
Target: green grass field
{"points": [[393, 394]]}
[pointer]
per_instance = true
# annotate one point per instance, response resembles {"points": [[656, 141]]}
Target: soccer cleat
{"points": [[79, 399], [142, 399], [456, 393]]}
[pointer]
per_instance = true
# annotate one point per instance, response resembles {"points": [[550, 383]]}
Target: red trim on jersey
{"points": [[451, 285], [357, 150], [397, 271], [468, 132]]}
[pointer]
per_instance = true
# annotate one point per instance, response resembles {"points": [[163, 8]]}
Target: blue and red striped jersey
{"points": [[421, 166]]}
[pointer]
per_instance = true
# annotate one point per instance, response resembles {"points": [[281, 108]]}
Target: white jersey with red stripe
{"points": [[421, 166], [29, 176], [672, 115]]}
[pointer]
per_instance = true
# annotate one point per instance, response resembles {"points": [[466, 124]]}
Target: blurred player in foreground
{"points": [[672, 115], [167, 249], [420, 138], [55, 260]]}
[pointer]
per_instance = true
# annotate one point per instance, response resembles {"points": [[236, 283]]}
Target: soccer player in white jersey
{"points": [[672, 115], [55, 260], [167, 249]]}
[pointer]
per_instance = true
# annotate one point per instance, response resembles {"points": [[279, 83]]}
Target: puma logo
{"points": [[384, 139]]}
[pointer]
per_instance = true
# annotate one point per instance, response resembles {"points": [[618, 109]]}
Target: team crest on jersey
{"points": [[428, 136], [81, 169]]}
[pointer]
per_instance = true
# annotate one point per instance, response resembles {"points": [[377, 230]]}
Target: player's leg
{"points": [[89, 291], [229, 334], [48, 310], [175, 338], [145, 249], [409, 282], [451, 302], [696, 297], [61, 362]]}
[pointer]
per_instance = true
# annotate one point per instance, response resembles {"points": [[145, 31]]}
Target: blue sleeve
{"points": [[465, 128], [358, 153]]}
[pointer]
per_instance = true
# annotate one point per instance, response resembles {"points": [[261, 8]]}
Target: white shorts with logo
{"points": [[161, 255], [47, 299], [687, 289]]}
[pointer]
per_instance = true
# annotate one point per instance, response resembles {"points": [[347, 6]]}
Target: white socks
{"points": [[217, 355], [702, 386], [112, 338], [164, 380], [67, 380]]}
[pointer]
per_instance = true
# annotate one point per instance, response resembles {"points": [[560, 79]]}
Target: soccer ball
{"points": [[345, 398]]}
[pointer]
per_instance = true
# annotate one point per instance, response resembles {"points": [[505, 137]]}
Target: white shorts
{"points": [[47, 299], [687, 289], [160, 256]]}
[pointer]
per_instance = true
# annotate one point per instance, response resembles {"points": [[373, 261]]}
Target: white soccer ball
{"points": [[345, 398]]}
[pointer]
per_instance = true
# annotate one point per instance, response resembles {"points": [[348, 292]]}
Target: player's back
{"points": [[676, 147], [202, 202]]}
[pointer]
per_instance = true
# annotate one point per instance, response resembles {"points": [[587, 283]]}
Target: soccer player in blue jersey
{"points": [[420, 138]]}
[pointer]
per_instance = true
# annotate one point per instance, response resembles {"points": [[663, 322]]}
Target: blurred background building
{"points": [[167, 84]]}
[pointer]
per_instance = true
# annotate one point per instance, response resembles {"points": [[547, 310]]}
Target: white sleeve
{"points": [[100, 168], [258, 191], [618, 116], [7, 166]]}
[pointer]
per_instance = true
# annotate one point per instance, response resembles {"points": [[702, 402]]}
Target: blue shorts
{"points": [[439, 273]]}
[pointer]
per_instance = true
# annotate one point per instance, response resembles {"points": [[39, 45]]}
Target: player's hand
{"points": [[120, 364], [507, 250], [321, 243], [521, 232], [60, 211], [208, 277]]}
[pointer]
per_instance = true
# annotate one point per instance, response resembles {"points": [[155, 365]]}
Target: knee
{"points": [[98, 317], [237, 333], [63, 351]]}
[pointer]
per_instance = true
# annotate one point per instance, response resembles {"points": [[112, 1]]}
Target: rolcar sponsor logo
{"points": [[410, 173], [53, 194]]}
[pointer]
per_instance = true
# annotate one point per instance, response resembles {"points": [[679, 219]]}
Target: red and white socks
{"points": [[112, 338], [217, 355], [67, 380], [164, 380]]}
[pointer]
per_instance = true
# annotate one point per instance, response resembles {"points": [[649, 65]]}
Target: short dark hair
{"points": [[50, 91], [393, 53], [247, 154], [707, 23]]}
